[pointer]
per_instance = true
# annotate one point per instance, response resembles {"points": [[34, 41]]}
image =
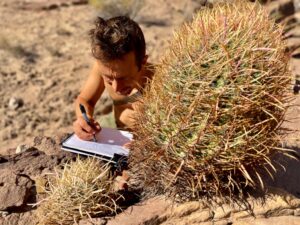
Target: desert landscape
{"points": [[45, 58]]}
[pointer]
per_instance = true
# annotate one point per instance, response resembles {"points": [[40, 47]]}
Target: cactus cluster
{"points": [[212, 113], [83, 189]]}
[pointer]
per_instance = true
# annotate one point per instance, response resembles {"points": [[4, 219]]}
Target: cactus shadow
{"points": [[287, 178]]}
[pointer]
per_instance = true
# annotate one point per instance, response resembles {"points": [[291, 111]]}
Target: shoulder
{"points": [[96, 69], [95, 74]]}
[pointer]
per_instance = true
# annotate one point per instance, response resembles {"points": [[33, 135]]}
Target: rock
{"points": [[96, 221], [15, 103], [296, 87], [148, 212], [18, 173], [14, 189], [27, 218], [22, 148], [282, 220], [33, 162], [277, 204], [297, 212], [50, 146], [222, 212], [3, 213]]}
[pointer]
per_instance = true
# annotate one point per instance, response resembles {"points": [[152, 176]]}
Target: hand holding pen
{"points": [[84, 127]]}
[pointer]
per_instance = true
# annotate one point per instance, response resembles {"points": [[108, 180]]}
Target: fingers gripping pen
{"points": [[83, 112]]}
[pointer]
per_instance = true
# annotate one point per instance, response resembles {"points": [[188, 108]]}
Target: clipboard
{"points": [[109, 145]]}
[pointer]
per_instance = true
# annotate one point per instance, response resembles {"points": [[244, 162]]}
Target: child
{"points": [[120, 67]]}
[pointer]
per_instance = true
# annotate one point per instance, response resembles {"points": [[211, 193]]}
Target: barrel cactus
{"points": [[212, 113], [83, 189]]}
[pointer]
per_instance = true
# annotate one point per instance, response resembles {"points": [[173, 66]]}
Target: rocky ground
{"points": [[44, 60], [20, 189]]}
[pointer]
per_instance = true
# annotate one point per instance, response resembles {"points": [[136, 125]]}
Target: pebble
{"points": [[3, 213], [15, 103], [22, 148], [297, 84], [297, 212]]}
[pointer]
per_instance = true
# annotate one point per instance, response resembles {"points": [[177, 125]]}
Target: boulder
{"points": [[19, 174], [34, 162], [14, 189]]}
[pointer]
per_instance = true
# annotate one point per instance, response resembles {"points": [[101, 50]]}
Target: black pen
{"points": [[83, 112]]}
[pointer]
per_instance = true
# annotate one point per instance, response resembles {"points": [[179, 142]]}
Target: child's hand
{"points": [[85, 131]]}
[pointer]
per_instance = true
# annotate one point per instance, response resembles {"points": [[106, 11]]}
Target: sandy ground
{"points": [[44, 58]]}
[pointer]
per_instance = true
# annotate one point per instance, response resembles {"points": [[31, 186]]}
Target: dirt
{"points": [[44, 58]]}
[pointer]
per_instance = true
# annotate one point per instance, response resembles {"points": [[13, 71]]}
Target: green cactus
{"points": [[213, 110]]}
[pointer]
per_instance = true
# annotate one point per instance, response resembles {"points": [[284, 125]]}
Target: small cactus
{"points": [[213, 110], [83, 189]]}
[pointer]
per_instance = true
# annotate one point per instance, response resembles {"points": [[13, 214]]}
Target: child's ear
{"points": [[145, 59]]}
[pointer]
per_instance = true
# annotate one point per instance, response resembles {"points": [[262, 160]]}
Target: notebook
{"points": [[109, 144]]}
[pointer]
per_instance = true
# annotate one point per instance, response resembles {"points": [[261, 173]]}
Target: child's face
{"points": [[122, 75]]}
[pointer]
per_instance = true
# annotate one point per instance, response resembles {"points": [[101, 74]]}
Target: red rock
{"points": [[14, 189]]}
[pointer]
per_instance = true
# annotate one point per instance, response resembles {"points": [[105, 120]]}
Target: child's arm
{"points": [[89, 95]]}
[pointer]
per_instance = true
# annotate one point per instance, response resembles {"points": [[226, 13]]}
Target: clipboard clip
{"points": [[120, 163]]}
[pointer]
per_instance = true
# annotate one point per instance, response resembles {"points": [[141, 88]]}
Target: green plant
{"points": [[212, 113], [83, 189]]}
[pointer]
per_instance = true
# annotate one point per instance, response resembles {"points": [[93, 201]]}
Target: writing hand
{"points": [[84, 130]]}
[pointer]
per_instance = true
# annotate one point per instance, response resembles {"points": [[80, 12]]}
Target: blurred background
{"points": [[45, 56]]}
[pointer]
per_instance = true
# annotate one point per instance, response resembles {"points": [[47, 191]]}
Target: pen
{"points": [[83, 112]]}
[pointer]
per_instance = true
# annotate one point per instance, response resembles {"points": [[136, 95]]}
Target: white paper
{"points": [[109, 142]]}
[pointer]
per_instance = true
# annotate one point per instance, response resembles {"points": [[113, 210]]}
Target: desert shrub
{"points": [[112, 8], [213, 111], [83, 189]]}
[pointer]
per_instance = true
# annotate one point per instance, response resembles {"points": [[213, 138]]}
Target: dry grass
{"points": [[83, 189], [214, 108]]}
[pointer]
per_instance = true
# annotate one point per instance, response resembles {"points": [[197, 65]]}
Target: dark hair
{"points": [[113, 38]]}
